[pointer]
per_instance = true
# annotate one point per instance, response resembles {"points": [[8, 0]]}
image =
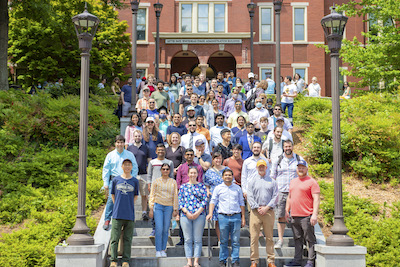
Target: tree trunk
{"points": [[3, 44]]}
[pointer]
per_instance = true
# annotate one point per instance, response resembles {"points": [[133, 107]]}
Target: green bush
{"points": [[378, 233], [369, 134]]}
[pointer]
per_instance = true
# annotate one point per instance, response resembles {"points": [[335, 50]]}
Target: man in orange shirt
{"points": [[200, 127], [235, 163], [303, 204]]}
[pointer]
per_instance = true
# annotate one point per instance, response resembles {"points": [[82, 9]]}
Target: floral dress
{"points": [[213, 178], [192, 197]]}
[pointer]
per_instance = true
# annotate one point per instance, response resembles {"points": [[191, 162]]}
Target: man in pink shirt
{"points": [[303, 204]]}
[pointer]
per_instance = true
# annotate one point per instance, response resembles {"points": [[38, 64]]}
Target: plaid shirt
{"points": [[285, 172], [221, 101]]}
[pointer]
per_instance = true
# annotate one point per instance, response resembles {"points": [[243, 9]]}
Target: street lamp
{"points": [[157, 8], [278, 8], [333, 25], [252, 8], [85, 26], [134, 7]]}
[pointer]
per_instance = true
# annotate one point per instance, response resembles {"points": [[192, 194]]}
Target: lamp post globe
{"points": [[157, 8], [334, 25], [85, 26], [251, 8]]}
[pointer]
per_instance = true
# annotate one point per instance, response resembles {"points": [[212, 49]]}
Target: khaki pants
{"points": [[267, 222]]}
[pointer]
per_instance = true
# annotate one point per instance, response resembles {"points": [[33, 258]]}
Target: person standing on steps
{"points": [[124, 192], [235, 163], [231, 216], [262, 193], [142, 156], [303, 205], [112, 168], [192, 205], [163, 204], [288, 94], [283, 171]]}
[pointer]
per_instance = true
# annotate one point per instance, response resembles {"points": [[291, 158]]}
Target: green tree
{"points": [[44, 46], [379, 60], [3, 44]]}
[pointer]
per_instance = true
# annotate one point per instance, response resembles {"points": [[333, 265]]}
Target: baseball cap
{"points": [[230, 82], [280, 119], [149, 119], [190, 108], [250, 75], [261, 163], [126, 160], [199, 142], [302, 162]]}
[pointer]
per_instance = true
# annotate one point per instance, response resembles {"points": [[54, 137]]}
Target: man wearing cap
{"points": [[194, 102], [250, 84], [302, 205], [225, 147], [278, 113], [189, 140], [112, 168], [215, 131], [262, 193], [201, 158], [284, 171], [124, 191], [286, 135], [143, 103], [258, 112], [190, 116]]}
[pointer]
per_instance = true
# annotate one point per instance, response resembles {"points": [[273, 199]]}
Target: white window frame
{"points": [[262, 67], [210, 16], [146, 7], [301, 66], [266, 6], [304, 6]]}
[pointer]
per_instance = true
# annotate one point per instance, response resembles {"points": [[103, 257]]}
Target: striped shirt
{"points": [[164, 192], [285, 172]]}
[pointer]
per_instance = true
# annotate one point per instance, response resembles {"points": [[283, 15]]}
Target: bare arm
{"points": [[314, 216], [113, 198]]}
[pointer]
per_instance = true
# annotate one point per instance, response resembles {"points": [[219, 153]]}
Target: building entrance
{"points": [[222, 61], [184, 61]]}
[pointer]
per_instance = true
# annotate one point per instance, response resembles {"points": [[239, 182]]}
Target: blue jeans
{"points": [[162, 218], [290, 107], [109, 205], [229, 225], [193, 233]]}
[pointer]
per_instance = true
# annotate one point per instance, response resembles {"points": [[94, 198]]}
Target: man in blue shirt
{"points": [[126, 95], [231, 218], [176, 126], [220, 80], [112, 168], [271, 86], [124, 192]]}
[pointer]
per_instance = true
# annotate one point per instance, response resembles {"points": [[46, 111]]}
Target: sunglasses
{"points": [[277, 109], [150, 122], [192, 125], [189, 155], [165, 169]]}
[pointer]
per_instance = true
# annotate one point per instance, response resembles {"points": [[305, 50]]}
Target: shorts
{"points": [[281, 206], [125, 108], [143, 186]]}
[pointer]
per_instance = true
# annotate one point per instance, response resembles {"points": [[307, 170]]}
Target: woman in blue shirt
{"points": [[151, 136], [239, 130]]}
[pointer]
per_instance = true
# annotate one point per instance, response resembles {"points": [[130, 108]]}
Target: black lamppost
{"points": [[134, 7], [278, 8], [158, 8], [85, 27], [252, 8], [334, 25]]}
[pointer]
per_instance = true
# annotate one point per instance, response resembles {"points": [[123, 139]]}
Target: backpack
{"points": [[281, 157], [250, 102], [270, 147]]}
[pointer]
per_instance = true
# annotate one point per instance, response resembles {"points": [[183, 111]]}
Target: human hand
{"points": [[313, 220], [151, 213], [209, 216], [245, 195], [175, 213], [243, 221], [287, 216], [198, 154]]}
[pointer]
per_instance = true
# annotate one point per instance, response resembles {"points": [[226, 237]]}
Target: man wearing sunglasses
{"points": [[189, 140], [277, 114]]}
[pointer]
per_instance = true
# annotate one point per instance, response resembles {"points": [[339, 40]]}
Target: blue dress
{"points": [[192, 197], [152, 145], [213, 178]]}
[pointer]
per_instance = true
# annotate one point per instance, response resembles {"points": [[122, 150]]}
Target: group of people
{"points": [[211, 158]]}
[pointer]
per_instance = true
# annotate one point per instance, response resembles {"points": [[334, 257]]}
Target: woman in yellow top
{"points": [[163, 204]]}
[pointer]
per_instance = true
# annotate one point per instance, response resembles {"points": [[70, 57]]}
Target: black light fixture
{"points": [[85, 25], [278, 8], [252, 8], [157, 8], [134, 8], [334, 25]]}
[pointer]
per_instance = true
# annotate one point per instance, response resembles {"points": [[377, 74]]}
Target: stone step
{"points": [[150, 251], [139, 241], [244, 232]]}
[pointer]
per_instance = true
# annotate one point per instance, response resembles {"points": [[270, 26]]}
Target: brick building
{"points": [[214, 35]]}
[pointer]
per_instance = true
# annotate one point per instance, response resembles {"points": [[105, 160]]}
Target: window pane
{"points": [[141, 24], [266, 16], [264, 72], [219, 18], [186, 15], [202, 18], [299, 33], [302, 73], [266, 32], [299, 16]]}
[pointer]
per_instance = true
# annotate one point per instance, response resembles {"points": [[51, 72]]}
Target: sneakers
{"points": [[113, 264], [294, 263], [158, 254], [153, 233], [222, 264], [145, 216], [163, 254], [279, 244], [125, 264], [106, 226], [236, 264], [309, 264]]}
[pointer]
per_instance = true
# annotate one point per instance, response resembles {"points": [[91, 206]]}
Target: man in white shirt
{"points": [[314, 89], [288, 95], [273, 148], [280, 122], [258, 112], [215, 131], [189, 140], [278, 113]]}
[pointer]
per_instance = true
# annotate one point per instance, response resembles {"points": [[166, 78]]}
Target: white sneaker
{"points": [[163, 254], [158, 254], [279, 244]]}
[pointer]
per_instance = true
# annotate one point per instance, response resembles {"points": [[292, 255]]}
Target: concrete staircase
{"points": [[143, 247]]}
